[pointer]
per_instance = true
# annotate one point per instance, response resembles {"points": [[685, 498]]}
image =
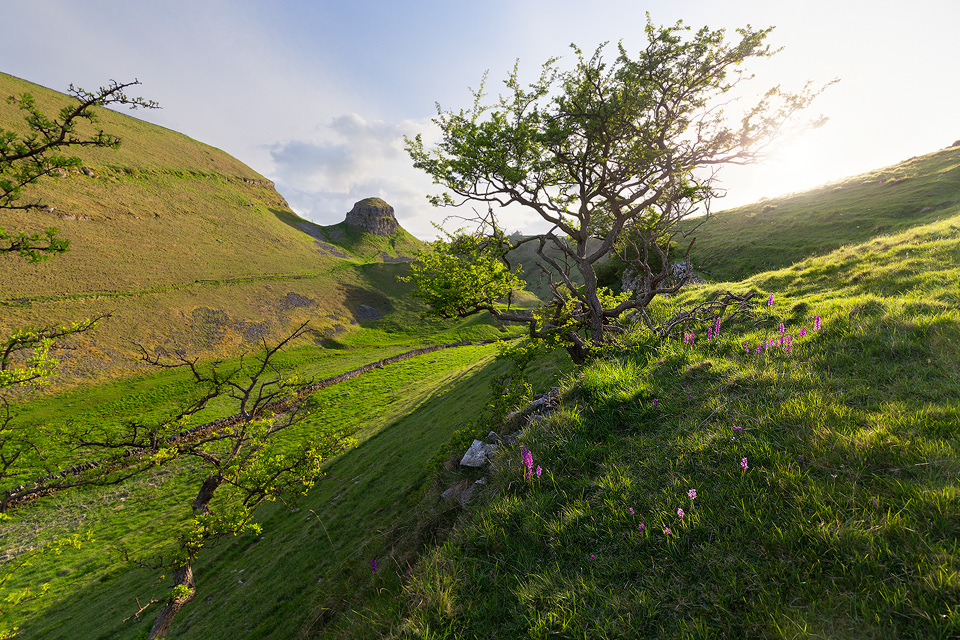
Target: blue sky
{"points": [[317, 95]]}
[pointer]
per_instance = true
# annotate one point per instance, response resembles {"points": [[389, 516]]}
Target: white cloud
{"points": [[351, 158], [255, 78]]}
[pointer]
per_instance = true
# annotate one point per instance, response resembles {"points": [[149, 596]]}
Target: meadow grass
{"points": [[187, 248], [400, 416], [826, 497], [824, 466]]}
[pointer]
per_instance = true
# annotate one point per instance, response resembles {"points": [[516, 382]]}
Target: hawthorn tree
{"points": [[36, 150], [614, 156], [28, 153], [243, 464]]}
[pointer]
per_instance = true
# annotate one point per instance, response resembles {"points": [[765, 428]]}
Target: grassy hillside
{"points": [[825, 478], [185, 246], [794, 477], [399, 415], [775, 233]]}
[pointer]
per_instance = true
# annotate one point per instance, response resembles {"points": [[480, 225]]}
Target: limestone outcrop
{"points": [[373, 215]]}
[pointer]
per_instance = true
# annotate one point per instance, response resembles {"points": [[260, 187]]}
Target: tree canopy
{"points": [[620, 150]]}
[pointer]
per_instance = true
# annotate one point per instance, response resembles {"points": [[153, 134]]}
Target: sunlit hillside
{"points": [[786, 473], [185, 246], [777, 232], [793, 477]]}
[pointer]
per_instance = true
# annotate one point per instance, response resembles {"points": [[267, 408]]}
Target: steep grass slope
{"points": [[775, 233], [184, 245], [399, 415], [735, 487]]}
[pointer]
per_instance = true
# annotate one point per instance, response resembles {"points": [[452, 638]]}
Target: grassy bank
{"points": [[400, 416], [777, 232], [826, 499]]}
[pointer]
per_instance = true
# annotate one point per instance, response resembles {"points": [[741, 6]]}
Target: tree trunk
{"points": [[201, 504], [182, 576], [577, 354], [593, 303]]}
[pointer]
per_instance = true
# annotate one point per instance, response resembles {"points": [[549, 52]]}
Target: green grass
{"points": [[776, 233], [401, 414], [844, 525]]}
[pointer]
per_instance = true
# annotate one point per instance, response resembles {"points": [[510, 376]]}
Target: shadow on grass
{"points": [[267, 586]]}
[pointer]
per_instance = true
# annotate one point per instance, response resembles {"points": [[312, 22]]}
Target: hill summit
{"points": [[373, 215]]}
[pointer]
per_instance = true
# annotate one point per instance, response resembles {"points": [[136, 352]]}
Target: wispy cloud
{"points": [[351, 158]]}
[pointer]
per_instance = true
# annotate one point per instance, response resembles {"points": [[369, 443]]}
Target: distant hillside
{"points": [[775, 233], [534, 274], [185, 245]]}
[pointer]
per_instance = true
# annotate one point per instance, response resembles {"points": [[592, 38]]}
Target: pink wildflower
{"points": [[736, 428], [770, 300], [630, 510], [667, 532], [816, 323], [803, 331], [746, 347], [782, 329], [692, 493], [656, 402], [539, 471], [680, 513], [743, 463], [709, 333], [640, 528]]}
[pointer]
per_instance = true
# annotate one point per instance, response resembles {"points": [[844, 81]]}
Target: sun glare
{"points": [[793, 167]]}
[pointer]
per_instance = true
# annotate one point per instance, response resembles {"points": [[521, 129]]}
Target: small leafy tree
{"points": [[245, 462], [32, 152], [607, 151], [36, 150]]}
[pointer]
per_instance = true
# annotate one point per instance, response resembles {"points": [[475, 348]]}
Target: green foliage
{"points": [[460, 276], [38, 366], [35, 247], [605, 150], [180, 591], [28, 156]]}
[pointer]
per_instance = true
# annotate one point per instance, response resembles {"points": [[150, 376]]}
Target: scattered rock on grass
{"points": [[478, 454]]}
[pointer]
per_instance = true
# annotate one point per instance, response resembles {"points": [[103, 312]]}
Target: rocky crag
{"points": [[373, 215]]}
